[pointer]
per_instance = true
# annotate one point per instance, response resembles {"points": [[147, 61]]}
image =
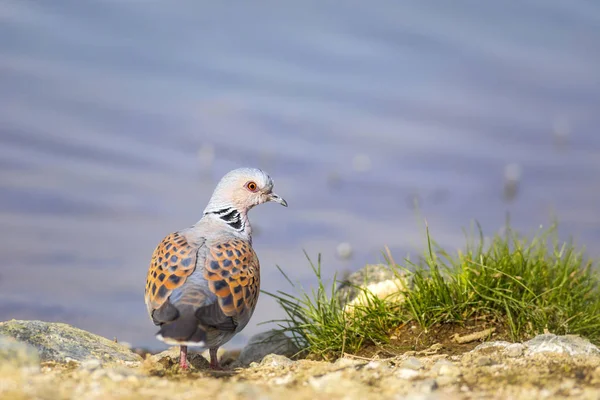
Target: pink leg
{"points": [[183, 357], [214, 359]]}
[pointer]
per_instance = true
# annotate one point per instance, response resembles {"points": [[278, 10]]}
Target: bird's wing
{"points": [[173, 261], [232, 272]]}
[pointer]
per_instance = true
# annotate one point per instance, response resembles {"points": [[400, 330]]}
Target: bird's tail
{"points": [[184, 331]]}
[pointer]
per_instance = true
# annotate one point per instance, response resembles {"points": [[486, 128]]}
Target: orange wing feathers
{"points": [[173, 260], [233, 274]]}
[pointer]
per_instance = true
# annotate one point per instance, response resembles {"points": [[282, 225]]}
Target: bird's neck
{"points": [[233, 218]]}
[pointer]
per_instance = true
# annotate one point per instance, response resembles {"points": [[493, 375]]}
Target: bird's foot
{"points": [[216, 366], [183, 364], [214, 359]]}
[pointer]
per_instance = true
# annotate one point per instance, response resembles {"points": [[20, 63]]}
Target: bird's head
{"points": [[243, 189]]}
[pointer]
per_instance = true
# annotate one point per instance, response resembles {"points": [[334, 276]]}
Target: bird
{"points": [[203, 282]]}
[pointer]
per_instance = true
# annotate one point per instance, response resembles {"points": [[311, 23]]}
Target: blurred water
{"points": [[111, 112]]}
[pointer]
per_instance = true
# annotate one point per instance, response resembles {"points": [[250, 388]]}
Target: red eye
{"points": [[251, 186]]}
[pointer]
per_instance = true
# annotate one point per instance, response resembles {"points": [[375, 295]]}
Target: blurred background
{"points": [[117, 118]]}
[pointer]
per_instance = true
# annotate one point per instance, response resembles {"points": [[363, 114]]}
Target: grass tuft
{"points": [[527, 286]]}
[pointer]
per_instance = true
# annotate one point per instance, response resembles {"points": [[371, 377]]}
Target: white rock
{"points": [[283, 380], [408, 374], [275, 360], [567, 344], [375, 365]]}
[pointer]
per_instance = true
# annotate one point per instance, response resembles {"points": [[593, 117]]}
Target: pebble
{"points": [[427, 385], [283, 380], [569, 344], [275, 360], [344, 362], [408, 374], [375, 365], [484, 361], [412, 363], [514, 350], [445, 368]]}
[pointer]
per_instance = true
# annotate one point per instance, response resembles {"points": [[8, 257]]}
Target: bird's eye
{"points": [[251, 186]]}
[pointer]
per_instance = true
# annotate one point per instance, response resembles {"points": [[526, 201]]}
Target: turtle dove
{"points": [[203, 282]]}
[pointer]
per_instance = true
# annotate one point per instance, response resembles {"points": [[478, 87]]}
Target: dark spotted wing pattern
{"points": [[233, 274], [173, 260]]}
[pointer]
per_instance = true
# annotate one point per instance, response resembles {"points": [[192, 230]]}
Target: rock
{"points": [[377, 365], [484, 361], [60, 342], [275, 360], [408, 374], [369, 274], [445, 368], [569, 344], [271, 342], [412, 363], [169, 359], [17, 354], [427, 385], [514, 350], [345, 362]]}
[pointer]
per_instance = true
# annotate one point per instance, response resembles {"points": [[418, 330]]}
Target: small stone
{"points": [[283, 380], [347, 362], [569, 344], [514, 350], [275, 360], [445, 368], [375, 365], [412, 363], [408, 374], [270, 342], [368, 275], [484, 361], [427, 385]]}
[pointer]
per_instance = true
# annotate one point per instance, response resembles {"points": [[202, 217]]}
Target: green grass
{"points": [[525, 285]]}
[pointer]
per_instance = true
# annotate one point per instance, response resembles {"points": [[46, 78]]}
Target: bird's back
{"points": [[212, 284]]}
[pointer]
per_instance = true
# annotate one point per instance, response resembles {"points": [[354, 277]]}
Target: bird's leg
{"points": [[183, 357], [214, 359]]}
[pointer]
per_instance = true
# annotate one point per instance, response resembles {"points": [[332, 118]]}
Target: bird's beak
{"points": [[274, 197]]}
